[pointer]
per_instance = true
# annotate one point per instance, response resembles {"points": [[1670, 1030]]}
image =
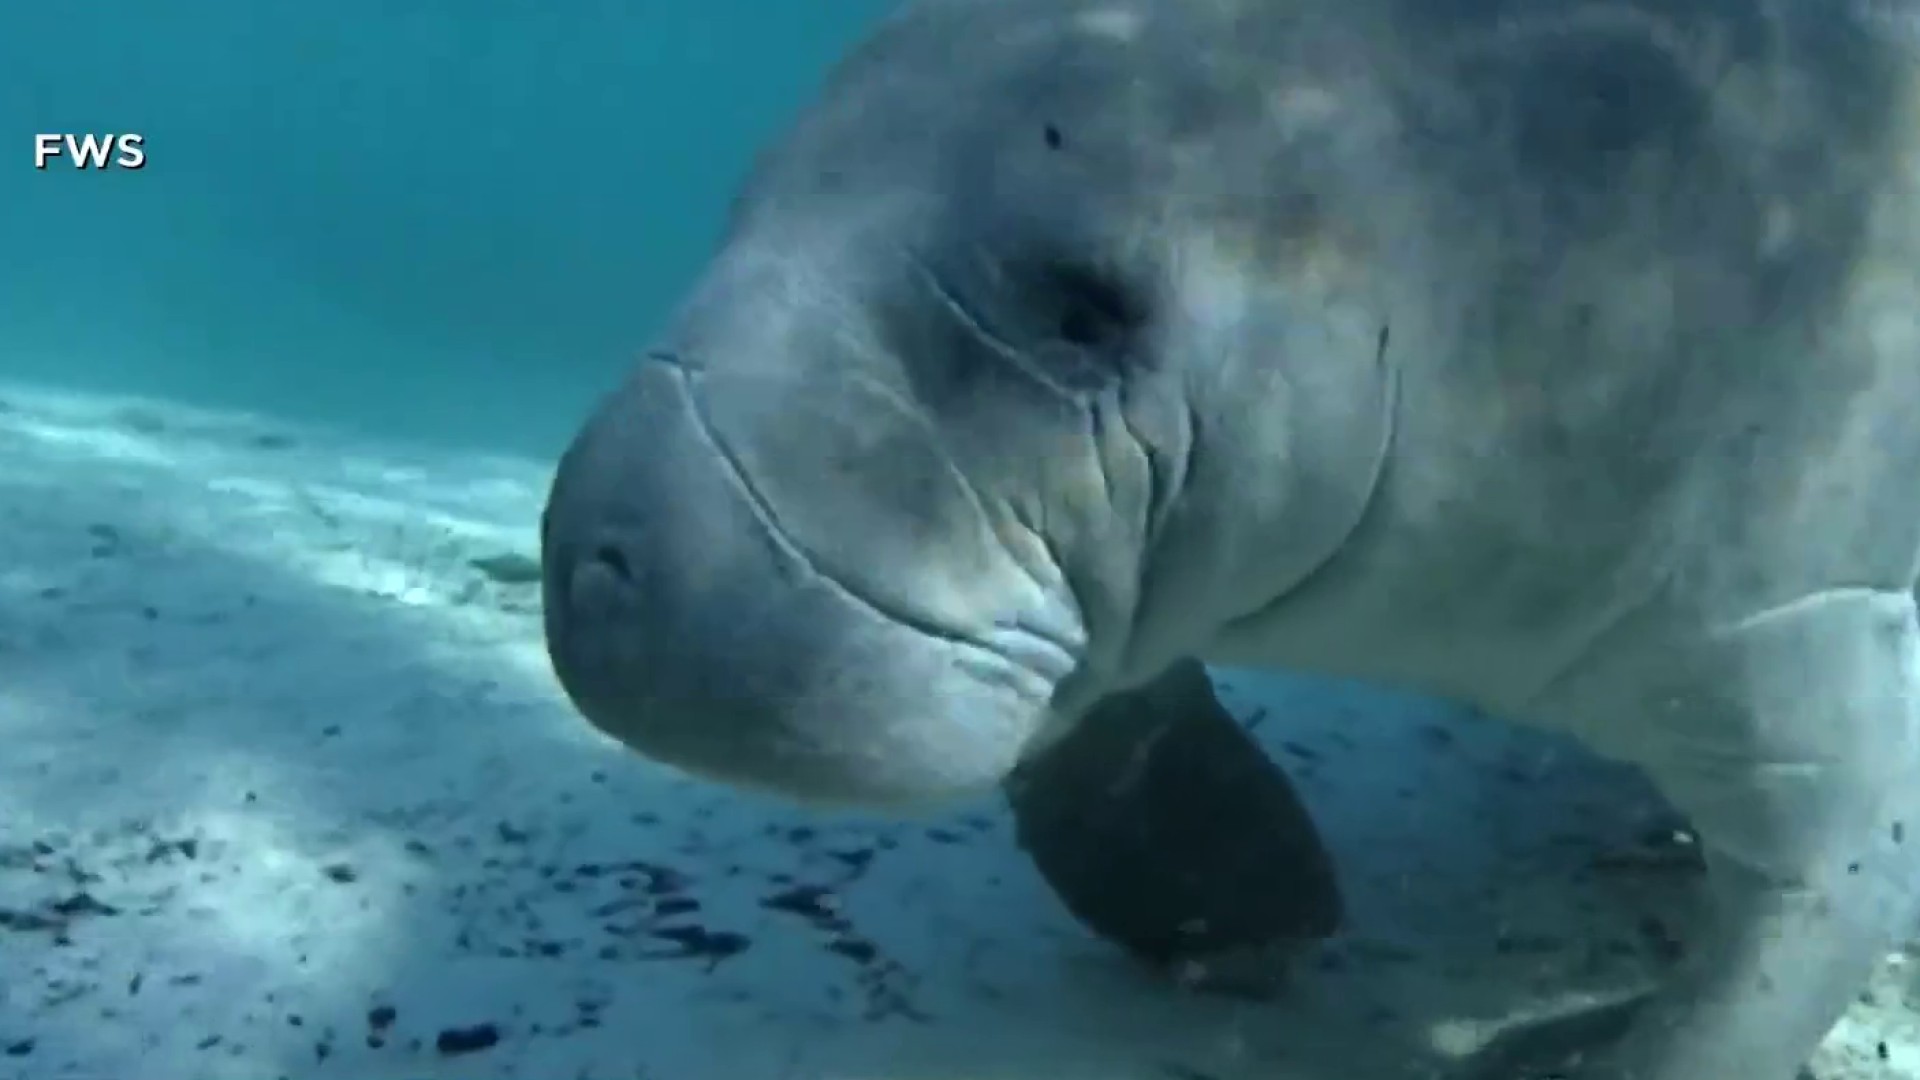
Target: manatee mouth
{"points": [[1014, 648], [688, 617]]}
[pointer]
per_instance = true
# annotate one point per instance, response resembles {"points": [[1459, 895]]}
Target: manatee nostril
{"points": [[613, 559]]}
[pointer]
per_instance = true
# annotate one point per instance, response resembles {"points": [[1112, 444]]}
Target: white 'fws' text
{"points": [[90, 151]]}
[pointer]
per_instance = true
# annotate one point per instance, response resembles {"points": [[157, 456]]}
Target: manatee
{"points": [[1553, 356]]}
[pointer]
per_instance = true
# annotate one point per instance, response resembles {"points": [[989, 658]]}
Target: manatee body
{"points": [[1554, 356]]}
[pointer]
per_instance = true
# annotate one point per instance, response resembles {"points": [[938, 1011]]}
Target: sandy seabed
{"points": [[287, 790]]}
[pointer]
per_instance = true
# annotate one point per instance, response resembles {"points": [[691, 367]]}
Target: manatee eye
{"points": [[1094, 311]]}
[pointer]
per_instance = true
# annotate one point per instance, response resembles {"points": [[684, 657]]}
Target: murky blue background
{"points": [[451, 220]]}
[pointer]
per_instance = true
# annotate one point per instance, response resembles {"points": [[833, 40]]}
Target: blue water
{"points": [[453, 221]]}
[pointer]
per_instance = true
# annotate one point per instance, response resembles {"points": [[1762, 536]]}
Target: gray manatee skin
{"points": [[1554, 356], [1165, 829]]}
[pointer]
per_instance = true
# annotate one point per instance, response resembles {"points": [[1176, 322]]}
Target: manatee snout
{"points": [[774, 579]]}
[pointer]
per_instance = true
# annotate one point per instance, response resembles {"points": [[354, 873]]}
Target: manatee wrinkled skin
{"points": [[1557, 356]]}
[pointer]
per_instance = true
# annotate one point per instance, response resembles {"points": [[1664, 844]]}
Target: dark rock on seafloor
{"points": [[1168, 831]]}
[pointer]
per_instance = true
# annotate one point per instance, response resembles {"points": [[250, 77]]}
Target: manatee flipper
{"points": [[1165, 829], [1790, 738], [1551, 1048]]}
